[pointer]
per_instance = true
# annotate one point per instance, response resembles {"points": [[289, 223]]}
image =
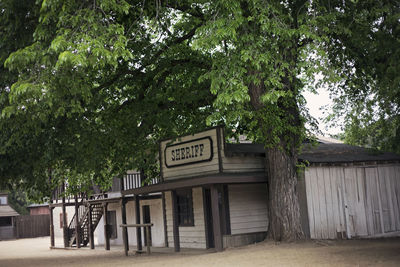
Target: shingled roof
{"points": [[7, 211], [342, 153]]}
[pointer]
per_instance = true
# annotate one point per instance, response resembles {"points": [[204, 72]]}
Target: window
{"points": [[5, 221], [62, 221], [3, 200], [185, 207], [112, 224]]}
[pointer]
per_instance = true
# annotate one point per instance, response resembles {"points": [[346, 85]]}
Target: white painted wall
{"points": [[190, 236], [248, 208], [58, 232], [156, 218]]}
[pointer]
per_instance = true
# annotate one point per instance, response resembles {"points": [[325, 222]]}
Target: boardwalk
{"points": [[35, 252]]}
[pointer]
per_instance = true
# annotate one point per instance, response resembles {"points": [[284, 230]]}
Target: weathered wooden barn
{"points": [[212, 194], [351, 192]]}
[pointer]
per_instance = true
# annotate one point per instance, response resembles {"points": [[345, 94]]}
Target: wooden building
{"points": [[351, 192], [39, 209], [7, 219], [212, 194]]}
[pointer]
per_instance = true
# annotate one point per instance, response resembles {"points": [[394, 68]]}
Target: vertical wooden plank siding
{"points": [[331, 228], [389, 189], [369, 210], [361, 213], [345, 204], [310, 208], [316, 201], [322, 203], [384, 199], [334, 204], [358, 200], [396, 198]]}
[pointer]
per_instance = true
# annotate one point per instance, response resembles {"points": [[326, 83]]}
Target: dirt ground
{"points": [[378, 252]]}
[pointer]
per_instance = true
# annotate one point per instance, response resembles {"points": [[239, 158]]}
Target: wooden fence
{"points": [[28, 226]]}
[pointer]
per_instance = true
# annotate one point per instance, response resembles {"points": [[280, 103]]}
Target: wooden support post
{"points": [[148, 238], [124, 229], [216, 218], [52, 240], [77, 226], [106, 228], [65, 223], [138, 230], [90, 227], [175, 224], [164, 212]]}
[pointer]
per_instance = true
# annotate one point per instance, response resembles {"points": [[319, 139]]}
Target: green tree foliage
{"points": [[98, 83], [365, 47]]}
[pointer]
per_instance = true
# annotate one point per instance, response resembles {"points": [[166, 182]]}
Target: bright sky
{"points": [[315, 102]]}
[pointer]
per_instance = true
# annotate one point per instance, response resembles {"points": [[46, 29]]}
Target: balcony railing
{"points": [[135, 180], [129, 181]]}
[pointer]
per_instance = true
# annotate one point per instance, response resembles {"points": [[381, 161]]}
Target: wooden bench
{"points": [[147, 229]]}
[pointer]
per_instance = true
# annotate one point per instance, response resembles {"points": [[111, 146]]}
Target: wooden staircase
{"points": [[83, 224]]}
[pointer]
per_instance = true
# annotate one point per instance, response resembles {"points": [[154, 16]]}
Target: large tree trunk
{"points": [[283, 204]]}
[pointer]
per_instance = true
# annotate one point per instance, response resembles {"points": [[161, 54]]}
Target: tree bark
{"points": [[283, 204]]}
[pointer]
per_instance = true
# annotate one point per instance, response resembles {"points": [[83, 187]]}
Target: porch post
{"points": [[52, 242], [124, 229], [77, 231], [90, 228], [216, 218], [64, 219], [106, 234], [138, 229], [175, 224]]}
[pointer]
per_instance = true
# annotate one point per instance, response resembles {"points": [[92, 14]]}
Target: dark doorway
{"points": [[146, 219], [112, 223], [208, 219]]}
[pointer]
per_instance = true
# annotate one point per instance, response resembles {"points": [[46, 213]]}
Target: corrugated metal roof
{"points": [[7, 211]]}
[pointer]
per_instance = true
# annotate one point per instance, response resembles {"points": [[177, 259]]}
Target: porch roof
{"points": [[7, 211], [224, 178]]}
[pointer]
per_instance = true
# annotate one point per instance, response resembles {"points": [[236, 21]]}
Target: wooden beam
{"points": [[90, 229], [124, 229], [175, 224], [164, 212], [138, 230], [52, 240], [65, 223], [200, 181], [216, 218], [106, 227], [77, 230], [226, 219]]}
